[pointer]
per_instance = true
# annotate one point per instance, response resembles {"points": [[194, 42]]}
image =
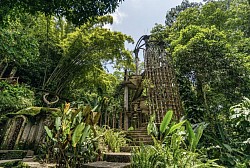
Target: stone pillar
{"points": [[126, 101]]}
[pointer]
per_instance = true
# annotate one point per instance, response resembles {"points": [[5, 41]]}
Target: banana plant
{"points": [[194, 135], [71, 130], [166, 127]]}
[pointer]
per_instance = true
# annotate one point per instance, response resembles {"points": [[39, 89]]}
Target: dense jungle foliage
{"points": [[51, 47], [210, 46]]}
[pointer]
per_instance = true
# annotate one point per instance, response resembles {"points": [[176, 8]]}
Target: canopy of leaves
{"points": [[210, 49], [85, 50], [78, 12], [13, 98], [174, 12], [17, 46], [52, 53]]}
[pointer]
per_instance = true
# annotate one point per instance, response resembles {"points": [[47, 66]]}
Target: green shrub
{"points": [[114, 139], [229, 139], [174, 146], [72, 140], [14, 97]]}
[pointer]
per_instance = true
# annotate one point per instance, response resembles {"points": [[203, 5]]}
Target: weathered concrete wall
{"points": [[26, 131]]}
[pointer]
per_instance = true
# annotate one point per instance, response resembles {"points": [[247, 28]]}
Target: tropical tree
{"points": [[17, 48], [67, 56], [85, 52], [210, 49], [76, 12]]}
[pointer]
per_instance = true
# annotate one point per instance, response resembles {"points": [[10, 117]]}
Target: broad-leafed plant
{"points": [[174, 146], [73, 136]]}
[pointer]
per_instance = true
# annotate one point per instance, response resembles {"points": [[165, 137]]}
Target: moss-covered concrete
{"points": [[35, 111], [25, 128], [12, 154]]}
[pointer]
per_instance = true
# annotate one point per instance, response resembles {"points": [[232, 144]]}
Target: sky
{"points": [[138, 17]]}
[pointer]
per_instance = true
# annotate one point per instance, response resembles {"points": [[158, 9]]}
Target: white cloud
{"points": [[118, 17]]}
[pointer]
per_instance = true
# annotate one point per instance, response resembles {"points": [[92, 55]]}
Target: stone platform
{"points": [[105, 164]]}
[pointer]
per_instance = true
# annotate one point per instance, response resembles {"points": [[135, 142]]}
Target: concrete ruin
{"points": [[25, 129], [155, 90]]}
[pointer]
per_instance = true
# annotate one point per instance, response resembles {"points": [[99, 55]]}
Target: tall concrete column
{"points": [[126, 101]]}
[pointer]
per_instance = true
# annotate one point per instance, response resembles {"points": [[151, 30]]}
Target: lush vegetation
{"points": [[62, 48], [75, 138], [174, 146], [50, 53], [15, 97], [210, 48], [77, 13]]}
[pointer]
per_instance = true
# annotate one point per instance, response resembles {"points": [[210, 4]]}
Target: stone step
{"points": [[133, 132], [137, 134], [105, 164], [28, 159], [142, 139], [39, 165], [128, 148], [12, 160], [139, 143], [12, 154], [138, 131], [122, 157], [142, 128]]}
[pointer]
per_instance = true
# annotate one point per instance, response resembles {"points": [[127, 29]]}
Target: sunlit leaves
{"points": [[78, 12], [89, 47], [203, 48], [17, 46]]}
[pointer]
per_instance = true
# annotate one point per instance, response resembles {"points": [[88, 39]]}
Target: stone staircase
{"points": [[123, 159], [139, 136]]}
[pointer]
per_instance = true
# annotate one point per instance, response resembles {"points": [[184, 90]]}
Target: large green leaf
{"points": [[228, 147], [78, 132], [95, 108], [49, 133], [176, 126], [58, 123], [85, 133], [191, 134], [152, 129], [198, 135], [166, 120]]}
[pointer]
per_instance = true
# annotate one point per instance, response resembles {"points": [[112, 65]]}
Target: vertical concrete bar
{"points": [[126, 101]]}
